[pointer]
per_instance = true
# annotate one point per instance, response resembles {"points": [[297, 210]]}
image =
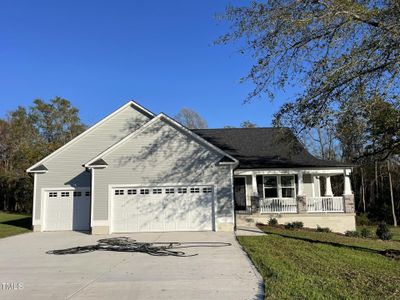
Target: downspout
{"points": [[91, 171]]}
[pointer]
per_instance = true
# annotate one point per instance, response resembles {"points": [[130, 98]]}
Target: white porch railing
{"points": [[325, 204], [278, 205]]}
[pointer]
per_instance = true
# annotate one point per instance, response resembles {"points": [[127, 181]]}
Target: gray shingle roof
{"points": [[264, 148]]}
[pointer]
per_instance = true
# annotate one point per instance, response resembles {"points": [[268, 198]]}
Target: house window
{"points": [[64, 194], [270, 186], [131, 192], [157, 191], [288, 186], [53, 194], [144, 191], [170, 191], [182, 190], [195, 190], [282, 186], [207, 190], [77, 194], [119, 192], [87, 194]]}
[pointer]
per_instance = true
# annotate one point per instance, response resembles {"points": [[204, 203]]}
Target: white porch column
{"points": [[316, 186], [328, 186], [347, 184], [300, 190], [254, 184]]}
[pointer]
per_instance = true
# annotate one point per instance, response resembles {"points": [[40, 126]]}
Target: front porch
{"points": [[290, 194]]}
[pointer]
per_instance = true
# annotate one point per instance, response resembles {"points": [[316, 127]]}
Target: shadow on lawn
{"points": [[391, 253], [24, 222]]}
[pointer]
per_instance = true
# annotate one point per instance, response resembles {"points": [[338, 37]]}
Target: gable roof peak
{"points": [[130, 103]]}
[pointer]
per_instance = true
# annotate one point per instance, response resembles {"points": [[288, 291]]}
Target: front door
{"points": [[239, 184]]}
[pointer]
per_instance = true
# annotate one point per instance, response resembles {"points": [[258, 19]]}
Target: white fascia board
{"points": [[197, 137], [98, 167], [77, 138], [228, 163]]}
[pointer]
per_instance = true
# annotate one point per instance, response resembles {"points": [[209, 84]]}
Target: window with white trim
{"points": [[144, 191], [119, 192], [288, 186], [270, 186], [131, 192], [157, 191], [53, 194], [182, 190], [170, 191], [279, 186], [64, 194], [194, 190]]}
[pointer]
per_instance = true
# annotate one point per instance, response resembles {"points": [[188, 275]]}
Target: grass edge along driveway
{"points": [[299, 265], [12, 224]]}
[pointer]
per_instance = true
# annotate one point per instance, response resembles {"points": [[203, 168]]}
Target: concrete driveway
{"points": [[27, 272]]}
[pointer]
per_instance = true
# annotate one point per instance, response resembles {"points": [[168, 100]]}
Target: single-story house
{"points": [[135, 171]]}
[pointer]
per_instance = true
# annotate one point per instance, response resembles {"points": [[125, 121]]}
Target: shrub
{"points": [[323, 229], [298, 224], [273, 222], [362, 219], [294, 225], [352, 233], [365, 232], [289, 226], [383, 232]]}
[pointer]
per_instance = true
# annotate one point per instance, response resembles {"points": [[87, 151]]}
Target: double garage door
{"points": [[67, 210], [141, 209]]}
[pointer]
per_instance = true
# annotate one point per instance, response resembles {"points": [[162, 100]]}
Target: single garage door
{"points": [[183, 208], [67, 210]]}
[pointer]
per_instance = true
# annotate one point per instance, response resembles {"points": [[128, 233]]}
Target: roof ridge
{"points": [[232, 128]]}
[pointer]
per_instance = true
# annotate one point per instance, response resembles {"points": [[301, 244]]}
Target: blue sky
{"points": [[100, 54]]}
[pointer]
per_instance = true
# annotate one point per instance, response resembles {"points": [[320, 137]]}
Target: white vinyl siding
{"points": [[163, 155], [66, 169]]}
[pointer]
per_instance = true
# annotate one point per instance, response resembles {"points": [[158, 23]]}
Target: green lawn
{"points": [[11, 224], [313, 265]]}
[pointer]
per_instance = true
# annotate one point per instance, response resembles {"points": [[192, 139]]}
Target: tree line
{"points": [[343, 57], [26, 136]]}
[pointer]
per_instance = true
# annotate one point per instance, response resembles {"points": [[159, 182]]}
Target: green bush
{"points": [[383, 232], [352, 233], [298, 224], [289, 226], [362, 219], [323, 229], [273, 222], [294, 225], [365, 233]]}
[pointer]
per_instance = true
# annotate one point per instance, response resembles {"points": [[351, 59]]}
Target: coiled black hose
{"points": [[125, 244]]}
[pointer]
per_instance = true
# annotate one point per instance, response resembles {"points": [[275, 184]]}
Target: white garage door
{"points": [[186, 208], [67, 210]]}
